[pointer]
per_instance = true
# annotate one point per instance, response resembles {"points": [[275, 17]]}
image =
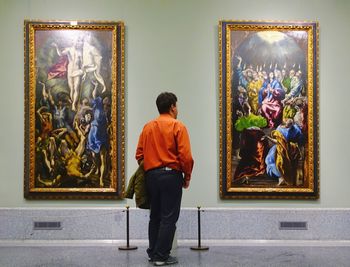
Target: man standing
{"points": [[164, 147]]}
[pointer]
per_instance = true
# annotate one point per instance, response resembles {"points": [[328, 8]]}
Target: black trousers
{"points": [[164, 189]]}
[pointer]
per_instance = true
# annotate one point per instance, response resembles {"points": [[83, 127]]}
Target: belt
{"points": [[166, 169], [161, 169]]}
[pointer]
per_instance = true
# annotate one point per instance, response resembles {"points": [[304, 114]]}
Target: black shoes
{"points": [[169, 261]]}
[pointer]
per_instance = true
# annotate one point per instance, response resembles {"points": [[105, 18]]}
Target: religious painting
{"points": [[269, 110], [74, 110]]}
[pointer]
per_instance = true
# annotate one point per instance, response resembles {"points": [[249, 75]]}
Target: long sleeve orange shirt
{"points": [[164, 142]]}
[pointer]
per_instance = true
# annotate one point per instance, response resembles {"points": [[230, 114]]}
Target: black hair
{"points": [[164, 102]]}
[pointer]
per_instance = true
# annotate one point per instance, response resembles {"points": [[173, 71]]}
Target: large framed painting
{"points": [[74, 109], [269, 109]]}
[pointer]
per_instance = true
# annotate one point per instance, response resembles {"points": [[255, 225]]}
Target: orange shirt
{"points": [[164, 142]]}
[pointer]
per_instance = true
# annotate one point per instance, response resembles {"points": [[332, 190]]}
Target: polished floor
{"points": [[78, 255]]}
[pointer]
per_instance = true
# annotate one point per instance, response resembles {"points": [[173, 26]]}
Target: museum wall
{"points": [[173, 45]]}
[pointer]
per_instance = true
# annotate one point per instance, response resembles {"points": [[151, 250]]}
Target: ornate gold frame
{"points": [[310, 190], [112, 43]]}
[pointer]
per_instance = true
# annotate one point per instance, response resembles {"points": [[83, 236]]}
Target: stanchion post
{"points": [[199, 247], [127, 247]]}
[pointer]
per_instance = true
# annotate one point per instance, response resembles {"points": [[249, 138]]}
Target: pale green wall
{"points": [[173, 45]]}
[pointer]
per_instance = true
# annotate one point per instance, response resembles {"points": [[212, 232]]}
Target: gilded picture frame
{"points": [[74, 136], [269, 119]]}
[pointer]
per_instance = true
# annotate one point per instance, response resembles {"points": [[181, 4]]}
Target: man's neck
{"points": [[169, 114]]}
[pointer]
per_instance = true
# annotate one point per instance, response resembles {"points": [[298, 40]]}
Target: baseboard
{"points": [[225, 224]]}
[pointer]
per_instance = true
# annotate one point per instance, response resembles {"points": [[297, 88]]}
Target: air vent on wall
{"points": [[47, 226], [293, 225]]}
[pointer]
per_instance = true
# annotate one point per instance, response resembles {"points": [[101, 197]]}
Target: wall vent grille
{"points": [[293, 225], [47, 225]]}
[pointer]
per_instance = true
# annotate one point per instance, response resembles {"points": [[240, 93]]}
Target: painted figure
{"points": [[283, 156]]}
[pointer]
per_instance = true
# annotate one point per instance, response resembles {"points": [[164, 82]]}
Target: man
{"points": [[285, 81], [296, 87], [74, 72], [92, 60], [164, 148], [98, 138], [253, 88]]}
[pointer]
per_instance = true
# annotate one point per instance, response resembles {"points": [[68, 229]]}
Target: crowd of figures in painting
{"points": [[269, 116], [73, 112]]}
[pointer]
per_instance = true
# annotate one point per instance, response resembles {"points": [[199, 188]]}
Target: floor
{"points": [[41, 255]]}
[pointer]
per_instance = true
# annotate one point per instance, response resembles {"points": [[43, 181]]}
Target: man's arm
{"points": [[139, 150], [185, 154]]}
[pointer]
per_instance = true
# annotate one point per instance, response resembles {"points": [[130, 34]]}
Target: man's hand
{"points": [[186, 184]]}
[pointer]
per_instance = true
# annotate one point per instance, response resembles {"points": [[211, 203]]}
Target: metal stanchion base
{"points": [[127, 248], [200, 248]]}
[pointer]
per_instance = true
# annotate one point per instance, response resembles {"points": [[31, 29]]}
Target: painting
{"points": [[74, 109], [268, 101]]}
